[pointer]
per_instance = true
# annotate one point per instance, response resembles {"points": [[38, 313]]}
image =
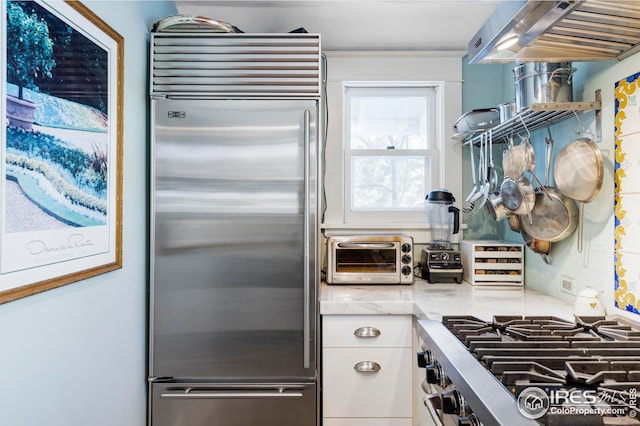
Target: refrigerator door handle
{"points": [[230, 395], [307, 284]]}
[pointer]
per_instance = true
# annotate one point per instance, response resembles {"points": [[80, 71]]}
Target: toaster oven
{"points": [[369, 259]]}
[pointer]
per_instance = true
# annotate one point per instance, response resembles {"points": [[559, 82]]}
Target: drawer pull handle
{"points": [[367, 367], [367, 332]]}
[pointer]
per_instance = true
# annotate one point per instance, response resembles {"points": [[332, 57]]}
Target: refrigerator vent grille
{"points": [[235, 64]]}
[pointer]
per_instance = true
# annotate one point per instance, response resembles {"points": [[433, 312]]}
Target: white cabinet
{"points": [[367, 370]]}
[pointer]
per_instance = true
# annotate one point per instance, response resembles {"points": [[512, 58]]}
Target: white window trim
{"points": [[437, 155]]}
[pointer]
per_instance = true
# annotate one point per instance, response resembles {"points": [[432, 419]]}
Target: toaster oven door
{"points": [[361, 262]]}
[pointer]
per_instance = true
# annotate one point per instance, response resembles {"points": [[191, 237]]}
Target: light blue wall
{"points": [[76, 356], [594, 265], [484, 86]]}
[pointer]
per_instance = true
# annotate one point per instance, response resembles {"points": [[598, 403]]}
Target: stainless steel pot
{"points": [[518, 196], [518, 159], [506, 111], [496, 208], [542, 82], [478, 119], [514, 223], [554, 217], [541, 247]]}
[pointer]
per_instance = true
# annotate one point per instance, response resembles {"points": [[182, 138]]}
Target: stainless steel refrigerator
{"points": [[233, 246]]}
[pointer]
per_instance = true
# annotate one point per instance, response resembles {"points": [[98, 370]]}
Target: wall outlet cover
{"points": [[567, 285]]}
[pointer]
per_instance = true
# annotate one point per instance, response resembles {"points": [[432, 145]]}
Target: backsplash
{"points": [[627, 199], [594, 265]]}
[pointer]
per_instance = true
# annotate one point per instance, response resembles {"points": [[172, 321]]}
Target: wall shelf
{"points": [[536, 116]]}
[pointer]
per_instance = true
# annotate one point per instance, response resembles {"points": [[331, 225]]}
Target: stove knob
{"points": [[470, 420], [435, 375], [433, 372], [452, 402], [424, 358]]}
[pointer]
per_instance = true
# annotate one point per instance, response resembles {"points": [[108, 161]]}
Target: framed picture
{"points": [[61, 113]]}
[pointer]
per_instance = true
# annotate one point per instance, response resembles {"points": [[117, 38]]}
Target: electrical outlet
{"points": [[568, 285]]}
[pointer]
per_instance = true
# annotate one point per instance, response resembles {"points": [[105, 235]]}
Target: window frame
{"points": [[434, 152]]}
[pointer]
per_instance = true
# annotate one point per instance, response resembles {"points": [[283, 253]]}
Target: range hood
{"points": [[557, 31]]}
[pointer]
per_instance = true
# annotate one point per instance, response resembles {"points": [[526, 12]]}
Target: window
{"points": [[390, 151]]}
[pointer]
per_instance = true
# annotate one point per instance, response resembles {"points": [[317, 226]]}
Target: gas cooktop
{"points": [[550, 371]]}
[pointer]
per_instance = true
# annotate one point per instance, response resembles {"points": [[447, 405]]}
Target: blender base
{"points": [[441, 266]]}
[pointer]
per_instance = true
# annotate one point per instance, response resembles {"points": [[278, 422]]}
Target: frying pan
{"points": [[554, 216], [579, 172]]}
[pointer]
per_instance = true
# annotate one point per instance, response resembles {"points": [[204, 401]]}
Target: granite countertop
{"points": [[432, 301]]}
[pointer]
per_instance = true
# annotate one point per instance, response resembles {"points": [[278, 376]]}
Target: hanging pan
{"points": [[541, 247], [578, 173], [554, 216], [514, 223]]}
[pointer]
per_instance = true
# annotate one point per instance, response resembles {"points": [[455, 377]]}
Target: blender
{"points": [[440, 262]]}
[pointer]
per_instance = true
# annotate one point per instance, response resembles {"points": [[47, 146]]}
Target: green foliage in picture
{"points": [[88, 171], [30, 46]]}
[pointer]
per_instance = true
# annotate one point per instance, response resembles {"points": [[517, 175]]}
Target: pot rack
{"points": [[538, 115]]}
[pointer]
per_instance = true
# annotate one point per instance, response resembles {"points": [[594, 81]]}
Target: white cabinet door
{"points": [[390, 331], [384, 393]]}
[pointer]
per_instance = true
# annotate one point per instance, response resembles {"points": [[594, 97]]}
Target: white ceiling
{"points": [[431, 25]]}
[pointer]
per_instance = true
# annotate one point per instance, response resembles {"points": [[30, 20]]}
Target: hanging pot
{"points": [[496, 208], [579, 172], [518, 159], [518, 196], [554, 217], [541, 247], [514, 223]]}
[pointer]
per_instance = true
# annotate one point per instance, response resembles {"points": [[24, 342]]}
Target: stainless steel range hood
{"points": [[556, 31]]}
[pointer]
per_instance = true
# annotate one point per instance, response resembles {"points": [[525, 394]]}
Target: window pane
{"points": [[389, 183], [382, 122]]}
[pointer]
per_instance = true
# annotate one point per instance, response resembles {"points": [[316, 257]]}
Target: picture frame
{"points": [[61, 113]]}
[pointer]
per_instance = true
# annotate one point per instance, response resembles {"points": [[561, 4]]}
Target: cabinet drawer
{"points": [[366, 422], [339, 331], [349, 393]]}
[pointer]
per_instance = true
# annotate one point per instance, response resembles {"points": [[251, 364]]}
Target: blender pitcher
{"points": [[442, 216]]}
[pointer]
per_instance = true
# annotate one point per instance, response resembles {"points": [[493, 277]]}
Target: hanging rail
{"points": [[535, 116]]}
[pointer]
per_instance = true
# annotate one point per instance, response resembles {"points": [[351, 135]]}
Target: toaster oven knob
{"points": [[406, 248], [406, 258], [424, 358], [470, 420], [406, 270], [452, 402]]}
